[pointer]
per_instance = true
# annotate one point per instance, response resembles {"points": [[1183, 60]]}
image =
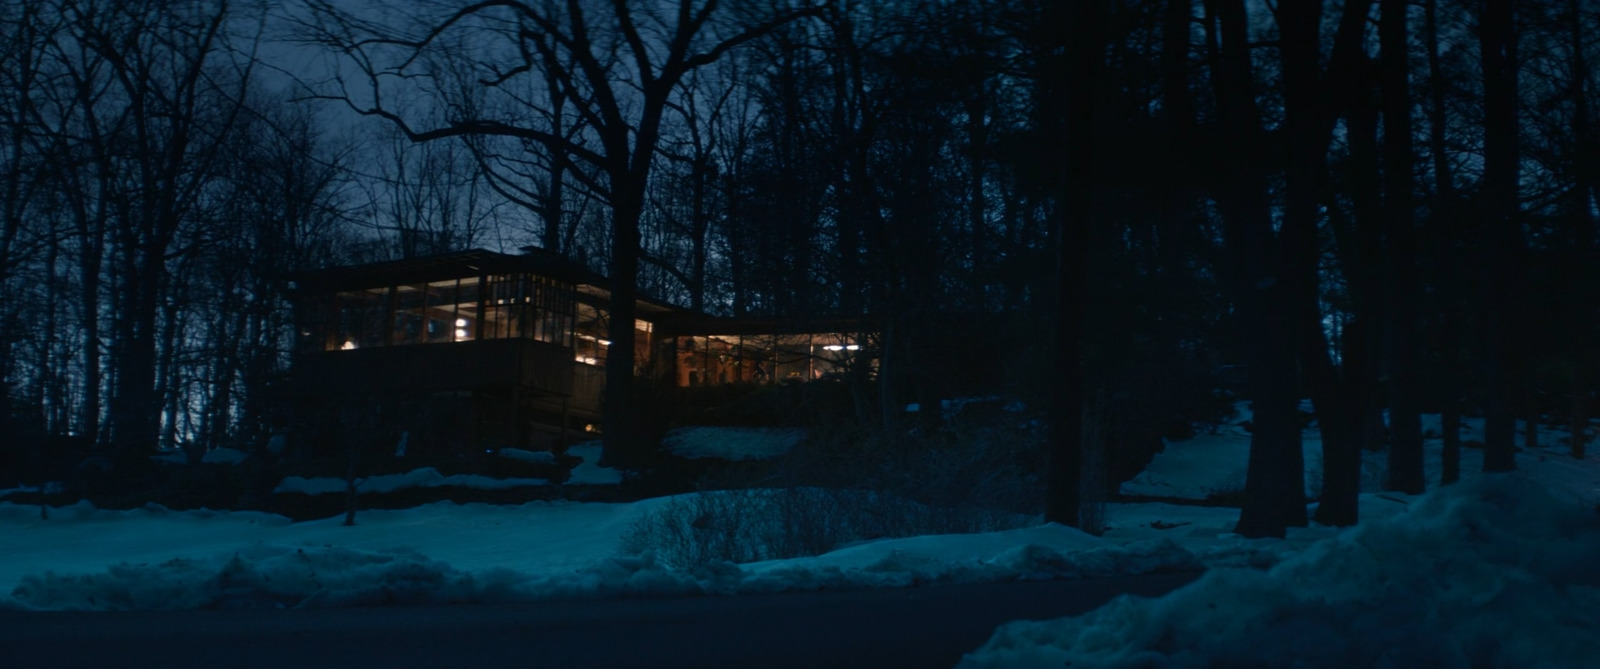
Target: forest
{"points": [[1135, 210]]}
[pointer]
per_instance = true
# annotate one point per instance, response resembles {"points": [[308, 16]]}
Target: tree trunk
{"points": [[1444, 239], [622, 434], [1579, 425], [1274, 485], [136, 401], [1587, 171], [1309, 110], [1405, 425], [976, 107], [1070, 112], [1501, 238], [700, 226], [1365, 336], [1339, 421], [1450, 457], [555, 193], [1530, 424]]}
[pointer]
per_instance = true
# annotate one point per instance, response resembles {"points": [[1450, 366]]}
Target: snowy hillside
{"points": [[1492, 572], [84, 558]]}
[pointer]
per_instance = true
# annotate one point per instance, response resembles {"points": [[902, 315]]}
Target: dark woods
{"points": [[1121, 212]]}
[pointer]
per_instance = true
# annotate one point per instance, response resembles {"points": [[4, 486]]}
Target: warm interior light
{"points": [[461, 334], [833, 347], [603, 342], [588, 360], [461, 322], [852, 347], [348, 345]]}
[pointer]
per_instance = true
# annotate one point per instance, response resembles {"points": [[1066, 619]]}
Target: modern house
{"points": [[479, 349]]}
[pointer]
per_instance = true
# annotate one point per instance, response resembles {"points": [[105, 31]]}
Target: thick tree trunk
{"points": [[1501, 238], [136, 402], [1587, 169], [1309, 109], [1069, 100], [168, 377], [620, 418], [1450, 457], [1264, 292], [1405, 425], [1365, 336], [1444, 238], [1339, 421]]}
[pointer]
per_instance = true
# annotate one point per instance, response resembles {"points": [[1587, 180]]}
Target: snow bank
{"points": [[1492, 572], [732, 443], [1036, 553], [224, 456], [267, 576], [426, 477], [589, 472], [272, 575], [535, 457], [1214, 463]]}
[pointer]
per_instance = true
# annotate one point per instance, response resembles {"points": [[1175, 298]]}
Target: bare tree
{"points": [[617, 64], [176, 97]]}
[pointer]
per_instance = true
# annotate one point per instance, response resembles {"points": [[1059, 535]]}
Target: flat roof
{"points": [[439, 267]]}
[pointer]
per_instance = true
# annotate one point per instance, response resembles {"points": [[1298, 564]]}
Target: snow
{"points": [[87, 558], [1214, 463], [1422, 582], [224, 456], [732, 443], [535, 457], [153, 558], [1034, 553], [589, 472], [1493, 572], [426, 477]]}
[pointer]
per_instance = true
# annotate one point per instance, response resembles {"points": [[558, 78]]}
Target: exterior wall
{"points": [[484, 350]]}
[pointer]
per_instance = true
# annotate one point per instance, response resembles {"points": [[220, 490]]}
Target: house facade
{"points": [[479, 349]]}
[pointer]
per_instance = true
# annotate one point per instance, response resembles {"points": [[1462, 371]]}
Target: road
{"points": [[911, 627]]}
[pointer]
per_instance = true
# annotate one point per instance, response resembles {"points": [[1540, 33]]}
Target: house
{"points": [[479, 349]]}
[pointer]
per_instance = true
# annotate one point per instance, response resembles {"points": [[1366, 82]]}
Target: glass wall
{"points": [[592, 336], [721, 359], [498, 306]]}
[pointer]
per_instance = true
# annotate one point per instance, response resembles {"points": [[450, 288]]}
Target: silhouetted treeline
{"points": [[1136, 206]]}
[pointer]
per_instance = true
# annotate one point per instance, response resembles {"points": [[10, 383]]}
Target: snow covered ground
{"points": [[85, 558], [588, 472], [732, 443], [1497, 571]]}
